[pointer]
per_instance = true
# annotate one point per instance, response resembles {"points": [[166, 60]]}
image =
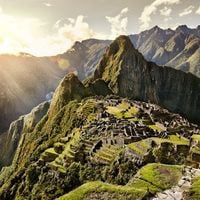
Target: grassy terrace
{"points": [[88, 110], [195, 189], [141, 147], [151, 178], [196, 137], [67, 152], [157, 177], [156, 127], [122, 110], [107, 153], [172, 139], [98, 187]]}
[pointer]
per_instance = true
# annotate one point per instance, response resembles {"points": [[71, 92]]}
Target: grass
{"points": [[140, 147], [108, 153], [158, 176], [174, 139], [156, 128], [67, 151], [196, 150], [88, 110], [49, 155], [100, 187], [138, 183], [119, 110], [195, 189], [196, 137]]}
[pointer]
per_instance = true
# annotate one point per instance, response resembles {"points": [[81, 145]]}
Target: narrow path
{"points": [[176, 192]]}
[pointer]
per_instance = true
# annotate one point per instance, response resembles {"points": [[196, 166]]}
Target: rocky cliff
{"points": [[10, 140], [128, 74]]}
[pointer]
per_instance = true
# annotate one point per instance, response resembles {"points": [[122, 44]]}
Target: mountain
{"points": [[128, 74], [175, 48], [10, 141], [26, 80], [83, 56], [95, 144]]}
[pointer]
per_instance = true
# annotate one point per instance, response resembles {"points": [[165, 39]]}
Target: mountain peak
{"points": [[117, 59], [123, 41], [156, 28], [120, 43], [183, 28], [120, 48], [70, 88]]}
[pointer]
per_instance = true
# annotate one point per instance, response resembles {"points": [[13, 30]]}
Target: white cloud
{"points": [[187, 11], [198, 11], [166, 11], [30, 36], [145, 18], [76, 29], [118, 23], [47, 4]]}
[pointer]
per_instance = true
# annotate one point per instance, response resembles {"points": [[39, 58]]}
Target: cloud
{"points": [[70, 30], [47, 4], [166, 11], [187, 11], [118, 24], [145, 18], [76, 29], [18, 34], [198, 11]]}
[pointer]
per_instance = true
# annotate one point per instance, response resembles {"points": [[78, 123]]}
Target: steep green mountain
{"points": [[98, 141], [128, 74]]}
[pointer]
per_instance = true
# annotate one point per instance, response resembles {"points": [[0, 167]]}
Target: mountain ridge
{"points": [[129, 75]]}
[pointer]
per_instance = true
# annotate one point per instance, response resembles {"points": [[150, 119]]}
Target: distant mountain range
{"points": [[178, 48]]}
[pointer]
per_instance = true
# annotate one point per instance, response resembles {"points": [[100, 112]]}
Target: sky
{"points": [[50, 27]]}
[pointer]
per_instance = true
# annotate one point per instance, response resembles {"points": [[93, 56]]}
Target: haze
{"points": [[49, 27]]}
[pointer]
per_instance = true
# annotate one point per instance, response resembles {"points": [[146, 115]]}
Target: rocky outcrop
{"points": [[178, 192], [24, 124], [128, 74]]}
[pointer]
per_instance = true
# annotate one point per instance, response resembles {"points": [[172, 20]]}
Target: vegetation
{"points": [[99, 189], [157, 177]]}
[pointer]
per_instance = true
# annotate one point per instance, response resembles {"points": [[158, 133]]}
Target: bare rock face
{"points": [[128, 74], [9, 142]]}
